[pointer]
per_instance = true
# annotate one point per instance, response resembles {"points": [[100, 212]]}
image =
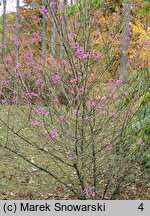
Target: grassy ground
{"points": [[19, 180]]}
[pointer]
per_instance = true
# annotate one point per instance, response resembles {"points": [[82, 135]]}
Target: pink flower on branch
{"points": [[42, 111], [44, 11], [56, 101], [4, 101], [55, 79], [32, 94], [52, 3], [52, 135], [36, 37], [75, 80], [102, 98], [91, 103], [116, 83], [97, 56], [62, 117], [136, 97], [76, 112], [126, 94], [35, 123], [140, 142], [109, 147]]}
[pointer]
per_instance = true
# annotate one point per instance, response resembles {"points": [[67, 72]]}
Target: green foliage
{"points": [[146, 10]]}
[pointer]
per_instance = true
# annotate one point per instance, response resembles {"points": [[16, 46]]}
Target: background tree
{"points": [[44, 30], [4, 29], [54, 29], [63, 30], [17, 29], [125, 41]]}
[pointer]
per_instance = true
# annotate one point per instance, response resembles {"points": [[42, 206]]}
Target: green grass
{"points": [[20, 180]]}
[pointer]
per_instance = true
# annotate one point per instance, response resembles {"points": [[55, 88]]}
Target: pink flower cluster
{"points": [[91, 103], [116, 83], [4, 101], [32, 94], [27, 55], [140, 142], [76, 112], [56, 101], [80, 54], [55, 79], [62, 117], [52, 135], [35, 123], [18, 26], [36, 37], [42, 111], [69, 155], [75, 80], [97, 55], [127, 94], [102, 98], [79, 51], [136, 97], [52, 3], [37, 19], [44, 11], [77, 91], [71, 36], [89, 193], [39, 83], [109, 147]]}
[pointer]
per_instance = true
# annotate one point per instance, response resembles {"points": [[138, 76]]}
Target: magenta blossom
{"points": [[55, 79], [109, 147], [97, 55], [76, 112], [39, 83], [62, 117], [56, 101], [44, 11], [27, 55], [4, 101], [136, 97], [32, 94], [75, 80], [102, 98], [36, 37], [68, 152], [52, 135], [98, 106], [80, 53], [126, 94], [91, 103], [35, 123], [71, 158], [42, 111], [116, 83], [79, 90], [53, 3], [140, 142]]}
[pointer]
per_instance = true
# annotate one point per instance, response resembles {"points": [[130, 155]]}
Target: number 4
{"points": [[141, 207]]}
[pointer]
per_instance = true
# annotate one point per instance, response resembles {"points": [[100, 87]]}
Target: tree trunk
{"points": [[17, 30], [4, 29], [63, 30], [44, 29], [125, 41], [54, 32]]}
